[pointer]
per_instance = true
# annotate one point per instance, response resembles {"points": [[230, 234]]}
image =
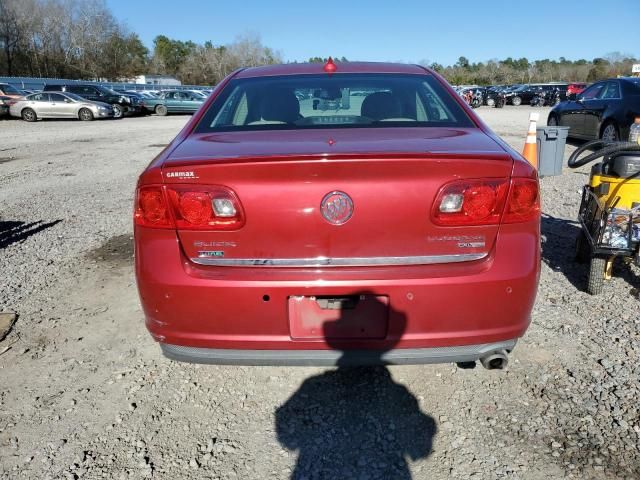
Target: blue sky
{"points": [[408, 31]]}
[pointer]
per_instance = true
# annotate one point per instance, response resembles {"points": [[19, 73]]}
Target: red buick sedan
{"points": [[356, 213]]}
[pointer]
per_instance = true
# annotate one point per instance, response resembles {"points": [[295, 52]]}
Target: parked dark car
{"points": [[121, 103], [138, 98], [492, 93], [560, 88], [522, 94], [604, 110]]}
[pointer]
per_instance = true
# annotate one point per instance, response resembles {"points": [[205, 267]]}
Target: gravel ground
{"points": [[86, 394]]}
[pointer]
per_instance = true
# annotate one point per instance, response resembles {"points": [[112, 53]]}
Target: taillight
{"points": [[524, 201], [205, 208], [470, 202], [483, 201], [151, 208], [188, 207]]}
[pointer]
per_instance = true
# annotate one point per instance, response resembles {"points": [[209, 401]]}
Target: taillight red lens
{"points": [[188, 207], [524, 201], [482, 202], [479, 201], [194, 207], [151, 208]]}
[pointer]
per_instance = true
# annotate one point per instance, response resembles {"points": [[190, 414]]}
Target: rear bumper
{"points": [[405, 356], [241, 314]]}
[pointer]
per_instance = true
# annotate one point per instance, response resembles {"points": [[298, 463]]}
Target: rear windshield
{"points": [[295, 102]]}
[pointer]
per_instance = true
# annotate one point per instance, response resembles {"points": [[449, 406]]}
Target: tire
{"points": [[118, 112], [583, 252], [596, 275], [516, 101], [85, 115], [161, 110], [610, 132], [500, 102], [491, 102], [29, 115], [552, 121]]}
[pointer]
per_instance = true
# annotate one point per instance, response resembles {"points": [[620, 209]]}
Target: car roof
{"points": [[341, 67]]}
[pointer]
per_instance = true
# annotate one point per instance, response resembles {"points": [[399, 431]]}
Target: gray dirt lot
{"points": [[86, 394]]}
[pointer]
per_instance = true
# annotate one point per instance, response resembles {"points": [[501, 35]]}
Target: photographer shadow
{"points": [[355, 421]]}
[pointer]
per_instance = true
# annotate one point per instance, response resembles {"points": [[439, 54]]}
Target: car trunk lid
{"points": [[388, 179]]}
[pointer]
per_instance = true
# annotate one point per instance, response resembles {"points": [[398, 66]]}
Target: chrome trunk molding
{"points": [[338, 262]]}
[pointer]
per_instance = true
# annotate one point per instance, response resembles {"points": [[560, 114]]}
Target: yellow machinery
{"points": [[610, 209]]}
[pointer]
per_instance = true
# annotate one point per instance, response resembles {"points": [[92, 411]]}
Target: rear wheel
{"points": [[609, 132], [85, 115], [29, 115], [161, 110], [597, 268], [117, 110], [516, 101], [491, 102]]}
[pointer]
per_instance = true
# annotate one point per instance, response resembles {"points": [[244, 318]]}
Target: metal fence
{"points": [[33, 83]]}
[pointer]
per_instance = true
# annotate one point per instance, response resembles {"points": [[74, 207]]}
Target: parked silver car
{"points": [[58, 105]]}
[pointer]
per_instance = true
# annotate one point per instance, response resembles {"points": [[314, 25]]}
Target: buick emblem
{"points": [[336, 208]]}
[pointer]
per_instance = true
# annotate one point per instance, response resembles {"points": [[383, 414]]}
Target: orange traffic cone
{"points": [[530, 151]]}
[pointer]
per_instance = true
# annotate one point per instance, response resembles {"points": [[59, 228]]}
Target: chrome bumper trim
{"points": [[338, 262], [399, 356]]}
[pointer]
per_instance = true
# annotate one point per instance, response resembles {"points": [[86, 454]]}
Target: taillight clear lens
{"points": [[524, 201], [151, 208], [451, 203], [205, 207], [223, 207], [470, 202]]}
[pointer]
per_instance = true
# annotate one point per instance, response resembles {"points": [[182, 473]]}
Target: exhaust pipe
{"points": [[495, 361]]}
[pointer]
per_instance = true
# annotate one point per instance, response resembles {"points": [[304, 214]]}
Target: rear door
{"points": [[40, 104], [582, 108], [595, 108]]}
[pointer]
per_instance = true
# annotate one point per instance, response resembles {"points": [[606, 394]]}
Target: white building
{"points": [[156, 80]]}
